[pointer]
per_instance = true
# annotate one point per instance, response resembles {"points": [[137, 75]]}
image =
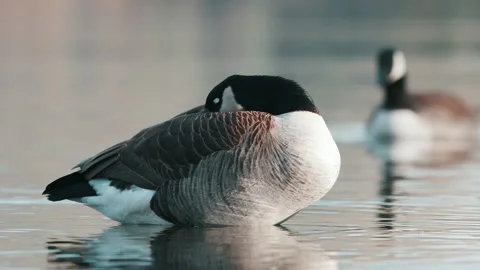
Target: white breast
{"points": [[401, 124], [398, 135], [308, 137]]}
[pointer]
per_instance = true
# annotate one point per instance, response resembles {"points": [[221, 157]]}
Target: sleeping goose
{"points": [[431, 128], [257, 152]]}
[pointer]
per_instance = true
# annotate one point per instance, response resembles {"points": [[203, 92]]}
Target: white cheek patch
{"points": [[229, 103], [399, 67]]}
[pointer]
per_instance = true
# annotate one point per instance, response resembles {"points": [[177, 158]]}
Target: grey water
{"points": [[77, 76]]}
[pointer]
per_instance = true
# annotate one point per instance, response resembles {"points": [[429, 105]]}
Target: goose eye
{"points": [[216, 100]]}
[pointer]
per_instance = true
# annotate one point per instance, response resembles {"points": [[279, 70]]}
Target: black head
{"points": [[391, 66], [271, 94]]}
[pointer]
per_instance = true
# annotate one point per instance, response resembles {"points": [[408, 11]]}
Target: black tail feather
{"points": [[70, 186]]}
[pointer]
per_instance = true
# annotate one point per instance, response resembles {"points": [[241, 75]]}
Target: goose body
{"points": [[230, 162], [418, 128]]}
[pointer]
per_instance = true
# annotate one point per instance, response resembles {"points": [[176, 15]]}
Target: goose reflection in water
{"points": [[386, 214], [149, 247], [449, 154]]}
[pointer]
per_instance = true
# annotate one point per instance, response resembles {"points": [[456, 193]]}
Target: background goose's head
{"points": [[391, 66], [270, 94]]}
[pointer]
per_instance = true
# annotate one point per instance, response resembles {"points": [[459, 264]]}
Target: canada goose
{"points": [[257, 152], [422, 129]]}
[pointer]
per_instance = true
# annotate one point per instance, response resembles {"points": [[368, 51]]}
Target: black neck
{"points": [[396, 95]]}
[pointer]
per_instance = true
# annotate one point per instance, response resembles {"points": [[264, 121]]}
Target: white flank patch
{"points": [[399, 135], [130, 206]]}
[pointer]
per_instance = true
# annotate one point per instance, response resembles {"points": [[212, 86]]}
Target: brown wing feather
{"points": [[113, 150], [171, 150]]}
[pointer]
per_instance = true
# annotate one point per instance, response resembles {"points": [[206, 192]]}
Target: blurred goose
{"points": [[258, 151], [425, 128]]}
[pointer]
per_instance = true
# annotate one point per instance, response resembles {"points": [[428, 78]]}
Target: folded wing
{"points": [[171, 150]]}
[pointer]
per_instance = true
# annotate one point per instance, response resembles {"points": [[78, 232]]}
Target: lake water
{"points": [[78, 76]]}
